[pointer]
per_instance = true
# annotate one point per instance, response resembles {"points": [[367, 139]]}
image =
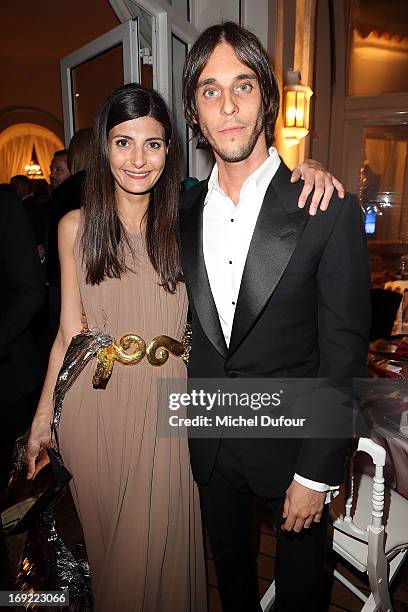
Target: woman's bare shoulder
{"points": [[68, 226]]}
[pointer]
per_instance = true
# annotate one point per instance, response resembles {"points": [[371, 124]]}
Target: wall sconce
{"points": [[296, 109]]}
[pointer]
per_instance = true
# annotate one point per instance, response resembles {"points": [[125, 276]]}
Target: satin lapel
{"points": [[195, 273], [274, 240]]}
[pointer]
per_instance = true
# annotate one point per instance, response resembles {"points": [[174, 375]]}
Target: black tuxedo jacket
{"points": [[37, 218], [65, 197], [23, 292], [303, 311]]}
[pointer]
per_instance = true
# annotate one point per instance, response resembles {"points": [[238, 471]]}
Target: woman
{"points": [[120, 274], [119, 266]]}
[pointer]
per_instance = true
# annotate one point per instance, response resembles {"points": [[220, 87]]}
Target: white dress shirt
{"points": [[227, 234]]}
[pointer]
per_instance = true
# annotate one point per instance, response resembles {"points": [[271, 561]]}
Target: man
{"points": [[23, 293], [59, 171], [23, 187], [65, 197], [274, 292]]}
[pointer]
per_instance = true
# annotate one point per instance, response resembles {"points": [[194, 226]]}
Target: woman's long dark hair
{"points": [[104, 239]]}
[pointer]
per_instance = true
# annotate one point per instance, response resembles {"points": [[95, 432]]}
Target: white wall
{"points": [[254, 14], [209, 12], [255, 17]]}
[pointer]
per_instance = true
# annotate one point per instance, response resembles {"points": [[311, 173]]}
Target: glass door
{"points": [[89, 74], [384, 182], [149, 47]]}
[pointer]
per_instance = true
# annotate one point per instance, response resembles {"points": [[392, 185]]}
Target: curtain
{"points": [[386, 159], [14, 155], [45, 150], [16, 145]]}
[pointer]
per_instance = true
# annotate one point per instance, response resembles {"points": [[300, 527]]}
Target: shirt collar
{"points": [[260, 178]]}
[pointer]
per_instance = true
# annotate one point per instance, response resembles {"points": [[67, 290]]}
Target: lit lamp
{"points": [[33, 169], [296, 109]]}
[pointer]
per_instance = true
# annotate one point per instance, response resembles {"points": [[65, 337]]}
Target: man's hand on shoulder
{"points": [[317, 177], [302, 507]]}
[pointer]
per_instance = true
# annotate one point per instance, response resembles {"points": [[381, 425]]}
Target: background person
{"points": [[59, 171], [65, 197], [24, 189], [23, 292]]}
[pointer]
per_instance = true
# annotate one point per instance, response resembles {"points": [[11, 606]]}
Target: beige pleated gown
{"points": [[133, 489]]}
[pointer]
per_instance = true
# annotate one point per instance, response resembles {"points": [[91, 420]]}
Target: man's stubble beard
{"points": [[245, 150]]}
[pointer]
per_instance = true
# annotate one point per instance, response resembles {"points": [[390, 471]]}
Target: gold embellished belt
{"points": [[157, 353]]}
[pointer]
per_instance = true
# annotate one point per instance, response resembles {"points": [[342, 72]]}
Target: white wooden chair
{"points": [[373, 533], [372, 543]]}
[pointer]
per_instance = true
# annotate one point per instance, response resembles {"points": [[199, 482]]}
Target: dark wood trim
{"points": [[387, 247]]}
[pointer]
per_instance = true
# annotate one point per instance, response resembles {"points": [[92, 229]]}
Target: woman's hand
{"points": [[39, 440], [316, 176]]}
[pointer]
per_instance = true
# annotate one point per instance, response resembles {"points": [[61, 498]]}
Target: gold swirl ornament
{"points": [[157, 353], [124, 345], [116, 352], [166, 345]]}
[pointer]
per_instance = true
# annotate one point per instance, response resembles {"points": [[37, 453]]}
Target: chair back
{"points": [[345, 522]]}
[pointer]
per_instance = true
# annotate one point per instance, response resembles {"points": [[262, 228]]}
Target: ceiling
{"points": [[34, 37]]}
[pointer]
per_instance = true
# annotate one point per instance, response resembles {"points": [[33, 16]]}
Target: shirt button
{"points": [[232, 220], [233, 303], [230, 262]]}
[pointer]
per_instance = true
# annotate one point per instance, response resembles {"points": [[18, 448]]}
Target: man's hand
{"points": [[315, 175], [302, 507]]}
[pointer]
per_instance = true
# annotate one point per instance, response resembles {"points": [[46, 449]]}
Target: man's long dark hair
{"points": [[249, 50], [104, 239]]}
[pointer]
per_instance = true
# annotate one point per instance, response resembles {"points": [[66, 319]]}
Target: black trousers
{"points": [[227, 503]]}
